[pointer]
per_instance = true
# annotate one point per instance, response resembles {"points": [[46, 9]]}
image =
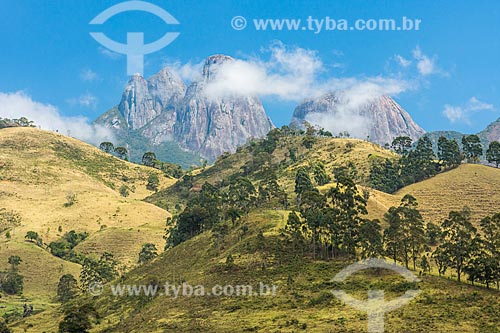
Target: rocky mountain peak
{"points": [[161, 109], [144, 100], [212, 64], [379, 118]]}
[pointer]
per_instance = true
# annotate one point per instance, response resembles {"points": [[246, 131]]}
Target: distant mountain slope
{"points": [[38, 170], [381, 119], [491, 132]]}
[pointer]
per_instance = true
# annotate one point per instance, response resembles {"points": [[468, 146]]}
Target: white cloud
{"points": [[425, 65], [18, 104], [476, 105], [453, 113], [463, 112], [86, 100], [295, 74], [402, 61], [187, 72], [292, 74], [88, 75]]}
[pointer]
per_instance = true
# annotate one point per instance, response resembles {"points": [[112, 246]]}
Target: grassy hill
{"points": [[38, 170], [303, 302], [332, 152], [473, 185]]}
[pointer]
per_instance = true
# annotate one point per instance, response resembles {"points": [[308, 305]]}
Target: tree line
{"points": [[418, 161], [148, 159], [21, 122], [333, 225]]}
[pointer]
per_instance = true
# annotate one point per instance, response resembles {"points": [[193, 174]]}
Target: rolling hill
{"points": [[38, 171], [303, 302]]}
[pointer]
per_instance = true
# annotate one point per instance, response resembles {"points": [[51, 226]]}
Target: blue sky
{"points": [[450, 67]]}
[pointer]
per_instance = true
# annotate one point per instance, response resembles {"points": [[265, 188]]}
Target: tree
{"points": [[433, 233], [233, 214], [311, 205], [393, 234], [67, 288], [401, 145], [405, 237], [424, 264], [71, 199], [459, 240], [472, 148], [385, 175], [98, 271], [148, 253], [12, 283], [78, 319], [241, 194], [14, 262], [320, 176], [449, 152], [294, 228], [107, 147], [153, 182], [189, 223], [303, 182], [413, 227], [24, 122], [292, 153], [425, 159], [122, 153], [370, 239], [149, 159], [493, 153], [33, 237], [348, 204], [490, 229]]}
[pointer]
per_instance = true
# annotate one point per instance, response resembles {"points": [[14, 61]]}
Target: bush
{"points": [[70, 200], [124, 191], [13, 283], [153, 182]]}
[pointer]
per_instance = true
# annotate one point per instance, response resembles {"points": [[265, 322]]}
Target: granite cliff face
{"points": [[160, 109], [144, 100], [491, 132], [381, 119], [213, 124]]}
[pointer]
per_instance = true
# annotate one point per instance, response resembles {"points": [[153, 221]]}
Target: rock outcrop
{"points": [[380, 119], [160, 109]]}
